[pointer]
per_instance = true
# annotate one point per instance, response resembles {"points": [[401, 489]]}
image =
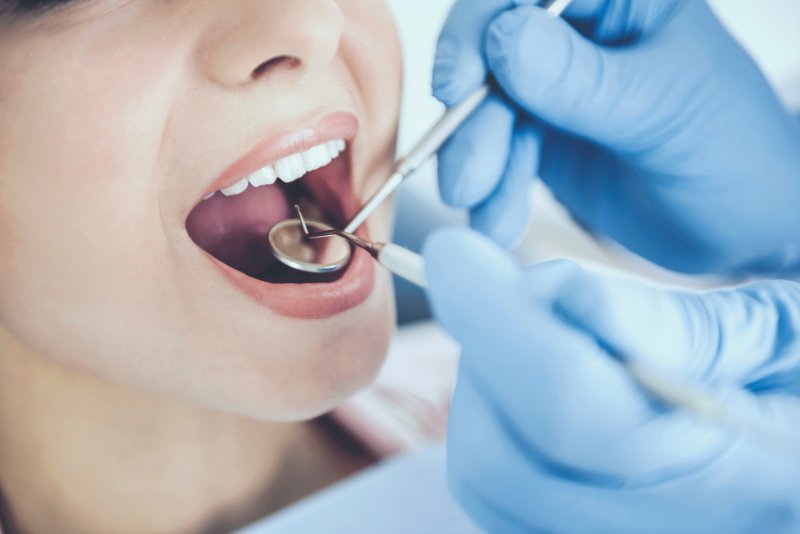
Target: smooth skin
{"points": [[131, 370]]}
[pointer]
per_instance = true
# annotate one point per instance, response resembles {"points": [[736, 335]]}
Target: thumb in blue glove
{"points": [[656, 130], [548, 431]]}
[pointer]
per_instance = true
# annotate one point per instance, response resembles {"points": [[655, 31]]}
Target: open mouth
{"points": [[312, 168], [232, 224]]}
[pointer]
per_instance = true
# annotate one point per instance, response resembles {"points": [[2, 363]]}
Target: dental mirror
{"points": [[316, 256]]}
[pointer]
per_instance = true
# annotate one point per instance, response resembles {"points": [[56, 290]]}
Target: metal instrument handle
{"points": [[422, 152]]}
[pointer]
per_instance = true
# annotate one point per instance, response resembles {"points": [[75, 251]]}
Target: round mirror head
{"points": [[317, 256]]}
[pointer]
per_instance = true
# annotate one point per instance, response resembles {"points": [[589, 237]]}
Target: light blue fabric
{"points": [[406, 495], [548, 432], [646, 119]]}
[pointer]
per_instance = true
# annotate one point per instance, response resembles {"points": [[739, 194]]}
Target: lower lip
{"points": [[310, 301]]}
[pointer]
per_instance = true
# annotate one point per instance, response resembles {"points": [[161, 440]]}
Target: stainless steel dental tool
{"points": [[281, 234], [400, 261]]}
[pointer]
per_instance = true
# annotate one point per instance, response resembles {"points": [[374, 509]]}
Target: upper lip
{"points": [[337, 125]]}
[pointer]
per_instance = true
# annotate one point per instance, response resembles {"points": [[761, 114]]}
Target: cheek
{"points": [[79, 141], [79, 151], [372, 52], [346, 359], [376, 42]]}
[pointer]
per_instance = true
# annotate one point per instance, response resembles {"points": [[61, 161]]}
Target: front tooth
{"points": [[316, 158], [265, 176], [282, 169], [235, 189], [290, 168], [333, 149], [298, 166]]}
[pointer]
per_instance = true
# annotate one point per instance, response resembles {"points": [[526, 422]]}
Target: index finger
{"points": [[460, 66]]}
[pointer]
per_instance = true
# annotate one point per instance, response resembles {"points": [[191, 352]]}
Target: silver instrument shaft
{"points": [[433, 140]]}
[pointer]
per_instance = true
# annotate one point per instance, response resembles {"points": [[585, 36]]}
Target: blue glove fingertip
{"points": [[503, 220], [504, 44], [472, 162], [450, 170], [550, 70], [504, 31], [455, 72], [506, 216]]}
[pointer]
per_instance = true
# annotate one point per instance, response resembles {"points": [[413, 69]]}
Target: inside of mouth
{"points": [[235, 229]]}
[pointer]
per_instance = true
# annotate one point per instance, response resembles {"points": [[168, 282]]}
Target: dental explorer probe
{"points": [[435, 138], [396, 259]]}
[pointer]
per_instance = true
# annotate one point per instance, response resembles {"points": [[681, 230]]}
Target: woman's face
{"points": [[117, 118]]}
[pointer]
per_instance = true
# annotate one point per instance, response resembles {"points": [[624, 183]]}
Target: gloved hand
{"points": [[646, 119], [548, 432]]}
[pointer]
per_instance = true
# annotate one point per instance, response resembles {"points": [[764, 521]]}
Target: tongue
{"points": [[234, 229]]}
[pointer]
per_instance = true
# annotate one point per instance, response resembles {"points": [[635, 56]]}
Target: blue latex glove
{"points": [[654, 127], [549, 432]]}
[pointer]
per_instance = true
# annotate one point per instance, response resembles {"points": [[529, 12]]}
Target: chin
{"points": [[353, 361], [340, 356]]}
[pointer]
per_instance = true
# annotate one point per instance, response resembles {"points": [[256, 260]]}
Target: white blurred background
{"points": [[769, 29]]}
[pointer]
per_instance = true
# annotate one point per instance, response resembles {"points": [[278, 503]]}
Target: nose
{"points": [[251, 39]]}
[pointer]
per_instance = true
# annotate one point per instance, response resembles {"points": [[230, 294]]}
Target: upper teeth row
{"points": [[289, 168]]}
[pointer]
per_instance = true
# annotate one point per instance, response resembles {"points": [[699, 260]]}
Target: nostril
{"points": [[280, 62]]}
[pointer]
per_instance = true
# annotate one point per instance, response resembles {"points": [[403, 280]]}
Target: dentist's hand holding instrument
{"points": [[645, 118], [550, 432]]}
